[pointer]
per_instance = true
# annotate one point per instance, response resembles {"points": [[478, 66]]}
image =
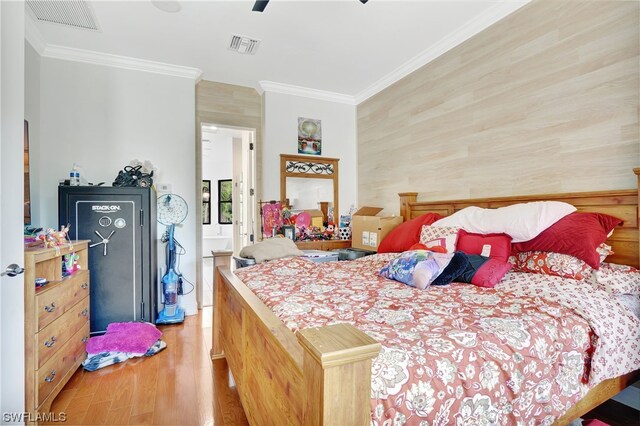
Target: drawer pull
{"points": [[85, 339], [51, 307], [50, 342], [85, 286], [51, 377], [85, 312]]}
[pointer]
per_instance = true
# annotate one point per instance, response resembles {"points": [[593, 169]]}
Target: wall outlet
{"points": [[163, 187]]}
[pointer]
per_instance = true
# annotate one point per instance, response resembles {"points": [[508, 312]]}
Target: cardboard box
{"points": [[316, 217], [368, 230]]}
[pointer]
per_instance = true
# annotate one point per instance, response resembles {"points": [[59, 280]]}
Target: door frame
{"points": [[198, 185]]}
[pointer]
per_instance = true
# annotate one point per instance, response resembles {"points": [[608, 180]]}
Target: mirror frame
{"points": [[303, 166]]}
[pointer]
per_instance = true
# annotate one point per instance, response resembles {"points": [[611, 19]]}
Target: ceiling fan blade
{"points": [[260, 5]]}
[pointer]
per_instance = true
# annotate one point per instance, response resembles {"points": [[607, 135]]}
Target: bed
{"points": [[289, 371]]}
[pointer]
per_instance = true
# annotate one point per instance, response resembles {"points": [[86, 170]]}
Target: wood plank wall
{"points": [[544, 101], [229, 105]]}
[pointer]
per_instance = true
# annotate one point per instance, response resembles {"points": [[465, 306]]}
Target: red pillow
{"points": [[494, 246], [403, 236], [577, 234]]}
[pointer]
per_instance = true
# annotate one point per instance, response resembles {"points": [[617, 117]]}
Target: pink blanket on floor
{"points": [[134, 337]]}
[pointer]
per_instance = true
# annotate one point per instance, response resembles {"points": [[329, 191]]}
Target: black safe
{"points": [[121, 224]]}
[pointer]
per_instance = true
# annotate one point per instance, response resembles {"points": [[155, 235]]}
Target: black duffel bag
{"points": [[133, 177]]}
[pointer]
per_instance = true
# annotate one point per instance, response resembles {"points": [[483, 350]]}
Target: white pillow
{"points": [[442, 236], [522, 222]]}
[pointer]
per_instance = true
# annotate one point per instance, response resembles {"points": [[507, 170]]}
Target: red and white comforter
{"points": [[522, 353]]}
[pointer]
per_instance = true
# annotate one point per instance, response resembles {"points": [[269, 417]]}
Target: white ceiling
{"points": [[341, 46]]}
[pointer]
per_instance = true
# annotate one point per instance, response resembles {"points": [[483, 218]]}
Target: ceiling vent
{"points": [[244, 45], [72, 13]]}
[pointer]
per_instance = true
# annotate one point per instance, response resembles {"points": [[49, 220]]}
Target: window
{"points": [[225, 189]]}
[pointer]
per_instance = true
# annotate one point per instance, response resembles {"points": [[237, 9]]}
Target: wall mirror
{"points": [[308, 181]]}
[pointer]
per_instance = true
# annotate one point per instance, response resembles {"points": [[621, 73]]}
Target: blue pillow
{"points": [[457, 266]]}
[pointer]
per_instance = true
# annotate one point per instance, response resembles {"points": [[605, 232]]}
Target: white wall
{"points": [[217, 163], [281, 114], [32, 115], [103, 117]]}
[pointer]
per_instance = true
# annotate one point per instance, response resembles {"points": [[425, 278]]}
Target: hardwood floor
{"points": [[181, 386], [178, 386], [615, 414]]}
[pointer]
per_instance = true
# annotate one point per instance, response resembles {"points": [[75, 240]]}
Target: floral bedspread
{"points": [[461, 354]]}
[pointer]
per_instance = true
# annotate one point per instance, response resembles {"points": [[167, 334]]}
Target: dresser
{"points": [[56, 322], [324, 245]]}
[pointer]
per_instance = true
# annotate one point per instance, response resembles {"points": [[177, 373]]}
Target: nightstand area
{"points": [[323, 245]]}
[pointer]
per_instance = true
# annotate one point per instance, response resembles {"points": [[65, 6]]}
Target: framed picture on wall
{"points": [[225, 192], [309, 136], [206, 202]]}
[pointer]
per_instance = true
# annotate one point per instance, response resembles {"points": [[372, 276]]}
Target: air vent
{"points": [[72, 13], [244, 45]]}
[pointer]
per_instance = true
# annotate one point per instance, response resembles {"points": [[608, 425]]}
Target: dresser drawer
{"points": [[55, 335], [52, 302], [56, 368]]}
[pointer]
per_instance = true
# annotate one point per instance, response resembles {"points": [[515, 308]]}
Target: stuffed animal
{"points": [[52, 238]]}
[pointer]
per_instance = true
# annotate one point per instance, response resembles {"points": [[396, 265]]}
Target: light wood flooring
{"points": [[181, 386], [178, 386]]}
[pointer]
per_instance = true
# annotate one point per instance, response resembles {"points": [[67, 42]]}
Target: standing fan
{"points": [[172, 209]]}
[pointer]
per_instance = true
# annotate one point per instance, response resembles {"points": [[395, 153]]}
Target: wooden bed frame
{"points": [[322, 376]]}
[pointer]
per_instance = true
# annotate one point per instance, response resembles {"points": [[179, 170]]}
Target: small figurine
{"points": [[331, 228], [62, 236], [52, 238], [286, 216]]}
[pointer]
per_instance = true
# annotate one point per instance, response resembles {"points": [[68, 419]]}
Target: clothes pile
{"points": [[123, 340]]}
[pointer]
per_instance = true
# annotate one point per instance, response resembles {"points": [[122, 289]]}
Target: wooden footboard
{"points": [[317, 376]]}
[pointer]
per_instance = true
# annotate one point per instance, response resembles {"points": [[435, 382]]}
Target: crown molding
{"points": [[34, 37], [32, 34], [468, 30], [289, 89], [117, 61]]}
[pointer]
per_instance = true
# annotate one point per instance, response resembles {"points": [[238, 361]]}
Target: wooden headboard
{"points": [[619, 203]]}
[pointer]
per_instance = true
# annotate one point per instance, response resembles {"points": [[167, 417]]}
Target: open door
{"points": [[244, 191], [11, 211]]}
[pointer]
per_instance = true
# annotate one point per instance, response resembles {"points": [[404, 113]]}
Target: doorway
{"points": [[228, 200]]}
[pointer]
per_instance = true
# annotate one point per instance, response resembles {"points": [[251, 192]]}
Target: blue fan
{"points": [[172, 209]]}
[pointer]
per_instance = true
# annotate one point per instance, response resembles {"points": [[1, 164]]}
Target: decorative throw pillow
{"points": [[495, 246], [483, 271], [403, 236], [416, 268], [578, 234], [271, 248], [522, 221], [439, 236], [616, 279], [557, 264], [454, 269]]}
